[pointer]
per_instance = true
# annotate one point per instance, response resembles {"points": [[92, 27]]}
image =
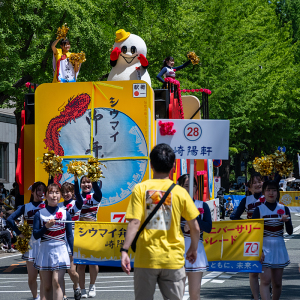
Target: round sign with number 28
{"points": [[192, 131]]}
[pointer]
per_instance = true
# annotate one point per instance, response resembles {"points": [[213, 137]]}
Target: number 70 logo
{"points": [[251, 249], [118, 217]]}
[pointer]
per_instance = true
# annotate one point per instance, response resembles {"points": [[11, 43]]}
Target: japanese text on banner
{"points": [[95, 242], [235, 246]]}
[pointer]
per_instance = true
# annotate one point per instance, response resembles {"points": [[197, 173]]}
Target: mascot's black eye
{"points": [[133, 49], [124, 49]]}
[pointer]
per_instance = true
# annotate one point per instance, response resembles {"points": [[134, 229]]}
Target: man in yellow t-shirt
{"points": [[160, 246]]}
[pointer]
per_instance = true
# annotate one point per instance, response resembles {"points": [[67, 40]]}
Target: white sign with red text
{"points": [[118, 217], [251, 249], [195, 139]]}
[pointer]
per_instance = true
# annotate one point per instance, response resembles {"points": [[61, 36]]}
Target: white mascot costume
{"points": [[128, 58]]}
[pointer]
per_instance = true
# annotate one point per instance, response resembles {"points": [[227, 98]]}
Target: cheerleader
{"points": [[168, 69], [73, 207], [249, 204], [195, 271], [38, 190], [91, 202], [63, 70], [53, 258], [274, 256]]}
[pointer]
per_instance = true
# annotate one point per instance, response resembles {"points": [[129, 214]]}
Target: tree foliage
{"points": [[247, 51]]}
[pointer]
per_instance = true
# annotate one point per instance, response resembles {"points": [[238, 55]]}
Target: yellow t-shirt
{"points": [[161, 243]]}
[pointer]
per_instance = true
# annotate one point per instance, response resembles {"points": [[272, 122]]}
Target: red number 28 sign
{"points": [[192, 131]]}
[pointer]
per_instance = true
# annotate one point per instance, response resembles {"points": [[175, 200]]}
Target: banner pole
{"points": [[191, 184]]}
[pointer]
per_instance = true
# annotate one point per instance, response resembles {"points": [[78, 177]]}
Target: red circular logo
{"points": [[136, 93]]}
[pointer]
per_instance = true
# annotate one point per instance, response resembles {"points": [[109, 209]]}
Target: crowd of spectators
{"points": [[7, 203], [293, 186]]}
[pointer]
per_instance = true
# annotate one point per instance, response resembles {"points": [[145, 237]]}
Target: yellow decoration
{"points": [[22, 244], [62, 32], [193, 58], [121, 35], [272, 163], [79, 57], [52, 163], [78, 168], [94, 170]]}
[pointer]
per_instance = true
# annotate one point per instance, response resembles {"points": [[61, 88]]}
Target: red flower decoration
{"points": [[42, 205], [69, 206], [201, 211], [88, 197], [262, 199], [166, 128], [199, 173], [280, 211], [27, 84], [59, 215]]}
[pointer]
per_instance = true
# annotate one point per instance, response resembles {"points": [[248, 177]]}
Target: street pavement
{"points": [[113, 284]]}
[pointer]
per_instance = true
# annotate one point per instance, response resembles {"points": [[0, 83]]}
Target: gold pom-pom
{"points": [[94, 170], [52, 163], [22, 244], [282, 165], [78, 168], [62, 32], [193, 58], [272, 163], [77, 57]]}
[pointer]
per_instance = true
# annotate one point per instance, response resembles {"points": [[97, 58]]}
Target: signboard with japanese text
{"points": [[195, 139], [113, 121], [235, 246], [96, 242], [290, 199], [214, 207]]}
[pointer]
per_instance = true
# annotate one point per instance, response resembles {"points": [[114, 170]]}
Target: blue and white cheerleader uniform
{"points": [[276, 255], [251, 204], [247, 204], [53, 254], [205, 224], [73, 207], [28, 211], [91, 202], [168, 71]]}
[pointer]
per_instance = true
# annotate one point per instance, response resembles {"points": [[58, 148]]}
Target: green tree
{"points": [[247, 53]]}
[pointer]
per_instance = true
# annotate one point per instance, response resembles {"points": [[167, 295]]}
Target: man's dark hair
{"points": [[64, 41], [162, 158]]}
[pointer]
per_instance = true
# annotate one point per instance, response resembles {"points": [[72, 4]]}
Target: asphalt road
{"points": [[112, 283]]}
